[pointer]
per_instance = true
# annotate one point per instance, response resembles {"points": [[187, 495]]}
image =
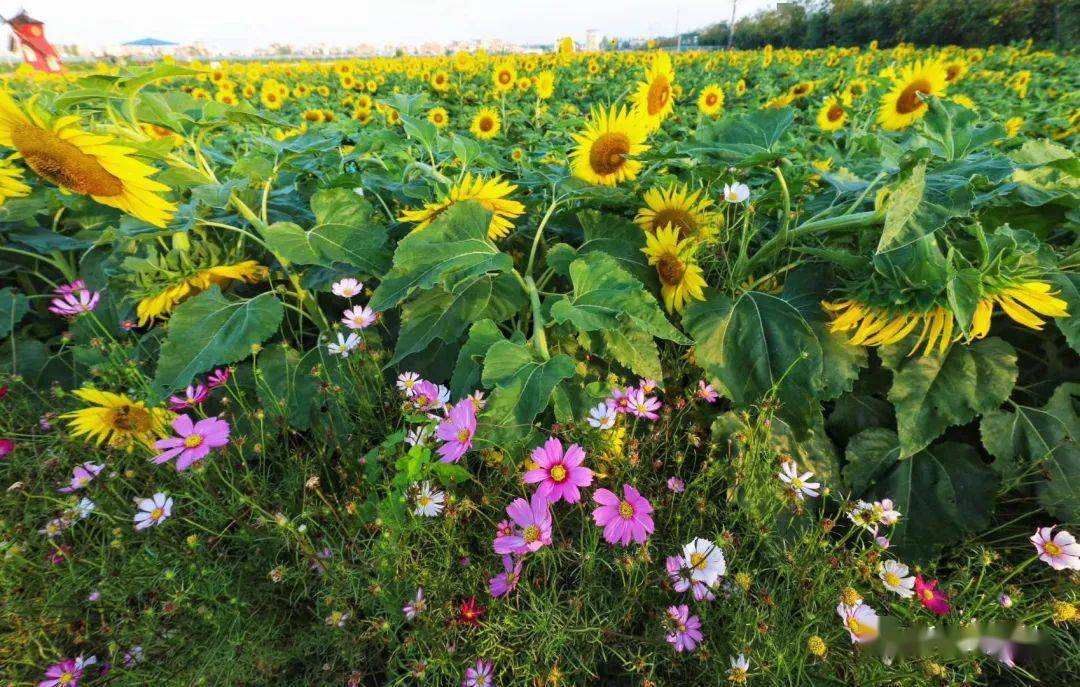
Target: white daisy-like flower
{"points": [[429, 502], [894, 575], [347, 288], [800, 484], [705, 561], [602, 416], [418, 436], [406, 381], [360, 317], [153, 511], [344, 344], [736, 193], [860, 620]]}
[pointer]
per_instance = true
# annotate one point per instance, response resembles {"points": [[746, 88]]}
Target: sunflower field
{"points": [[618, 368]]}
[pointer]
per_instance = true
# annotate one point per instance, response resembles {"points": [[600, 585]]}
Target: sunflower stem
{"points": [[539, 233], [539, 338], [855, 220]]}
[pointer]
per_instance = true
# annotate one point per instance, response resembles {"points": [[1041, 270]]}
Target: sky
{"points": [[246, 24]]}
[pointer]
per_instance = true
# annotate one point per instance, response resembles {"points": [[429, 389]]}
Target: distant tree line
{"points": [[820, 23]]}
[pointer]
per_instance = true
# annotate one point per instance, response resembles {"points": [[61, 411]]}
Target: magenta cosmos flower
{"points": [[1060, 551], [82, 475], [457, 431], [506, 581], [640, 404], [194, 395], [6, 447], [533, 527], [66, 673], [623, 519], [74, 303], [930, 596], [559, 474], [686, 628], [194, 443]]}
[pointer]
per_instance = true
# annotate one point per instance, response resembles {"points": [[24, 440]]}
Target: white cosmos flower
{"points": [[429, 502], [602, 417], [885, 511], [153, 511], [705, 561], [347, 288], [736, 193], [406, 381], [418, 435], [799, 483], [894, 575], [860, 620], [344, 345]]}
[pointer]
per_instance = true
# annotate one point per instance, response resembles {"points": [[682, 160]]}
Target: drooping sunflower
{"points": [[438, 117], [504, 77], [11, 184], [711, 100], [680, 276], [610, 136], [833, 115], [675, 206], [654, 97], [84, 163], [904, 105], [1018, 301], [877, 326], [491, 194], [486, 124], [117, 419], [160, 302]]}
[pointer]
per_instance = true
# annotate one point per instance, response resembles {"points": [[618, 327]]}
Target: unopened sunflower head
{"points": [[78, 161]]}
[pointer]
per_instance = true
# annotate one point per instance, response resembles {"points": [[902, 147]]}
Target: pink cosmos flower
{"points": [[681, 578], [82, 475], [425, 395], [194, 395], [75, 303], [686, 629], [619, 401], [641, 405], [58, 556], [218, 377], [194, 443], [66, 673], [359, 317], [860, 620], [457, 431], [74, 287], [347, 288], [506, 581], [533, 531], [675, 485], [623, 519], [930, 596], [153, 511], [1060, 551], [416, 606], [706, 392], [559, 474], [648, 385], [6, 447], [479, 675]]}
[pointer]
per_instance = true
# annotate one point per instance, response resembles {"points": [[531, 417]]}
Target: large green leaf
{"points": [[522, 384], [209, 330], [943, 492], [1060, 494], [747, 140], [618, 237], [285, 387], [1030, 433], [1067, 284], [466, 376], [632, 348], [606, 296], [933, 392], [920, 205], [344, 232], [13, 306], [442, 314], [755, 344], [955, 131]]}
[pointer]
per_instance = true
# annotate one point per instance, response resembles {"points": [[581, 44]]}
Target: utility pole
{"points": [[731, 26], [678, 36]]}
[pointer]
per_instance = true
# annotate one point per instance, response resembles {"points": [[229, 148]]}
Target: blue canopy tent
{"points": [[150, 43]]}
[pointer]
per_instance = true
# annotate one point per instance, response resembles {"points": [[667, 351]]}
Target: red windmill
{"points": [[28, 35]]}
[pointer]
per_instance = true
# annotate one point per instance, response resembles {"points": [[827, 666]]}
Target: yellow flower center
{"points": [[156, 514], [558, 473], [531, 534], [659, 92], [424, 500], [797, 483], [892, 579], [607, 151], [626, 511], [193, 441], [1052, 548], [698, 560], [928, 595], [130, 419], [63, 163], [66, 678], [909, 100]]}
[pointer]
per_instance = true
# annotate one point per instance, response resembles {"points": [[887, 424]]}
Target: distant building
{"points": [[28, 39], [592, 41]]}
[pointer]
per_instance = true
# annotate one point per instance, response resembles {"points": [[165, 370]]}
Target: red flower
{"points": [[3, 391], [469, 613], [6, 447], [932, 598]]}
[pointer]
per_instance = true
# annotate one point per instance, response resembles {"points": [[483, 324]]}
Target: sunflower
{"points": [[438, 117], [1017, 301], [654, 97], [680, 277], [905, 103], [116, 418], [711, 100], [679, 208], [440, 81], [486, 124], [504, 77], [801, 90], [84, 163], [601, 154], [876, 326], [545, 85], [955, 70], [855, 89], [833, 115], [964, 101], [1013, 125], [11, 184], [162, 302], [491, 194]]}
